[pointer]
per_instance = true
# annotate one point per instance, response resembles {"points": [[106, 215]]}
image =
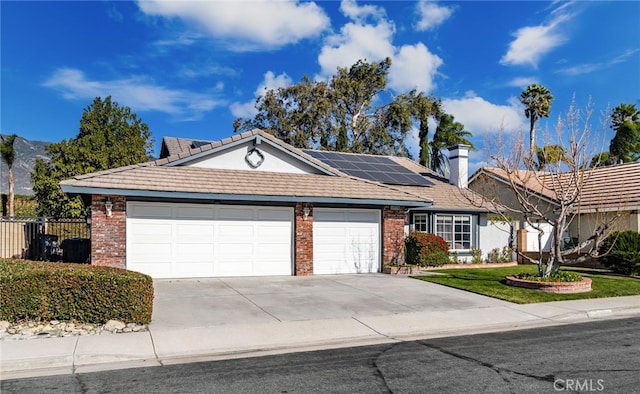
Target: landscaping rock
{"points": [[27, 330], [114, 325]]}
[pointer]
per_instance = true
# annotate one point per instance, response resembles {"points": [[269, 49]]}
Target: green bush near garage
{"points": [[426, 250], [56, 291]]}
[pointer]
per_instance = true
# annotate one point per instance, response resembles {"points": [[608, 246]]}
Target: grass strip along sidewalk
{"points": [[491, 282]]}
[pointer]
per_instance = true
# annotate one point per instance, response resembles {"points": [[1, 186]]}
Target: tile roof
{"points": [[444, 195], [149, 177], [604, 188], [161, 176], [173, 146]]}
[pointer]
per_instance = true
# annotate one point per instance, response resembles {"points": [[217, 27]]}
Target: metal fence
{"points": [[45, 239]]}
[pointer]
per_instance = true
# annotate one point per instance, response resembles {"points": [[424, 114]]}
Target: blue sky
{"points": [[188, 69]]}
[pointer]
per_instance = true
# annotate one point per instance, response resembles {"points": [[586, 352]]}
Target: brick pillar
{"points": [[393, 218], [108, 234], [304, 240]]}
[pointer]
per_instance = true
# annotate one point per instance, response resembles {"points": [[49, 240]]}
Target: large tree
{"points": [[110, 136], [537, 101], [8, 154], [348, 113], [549, 199], [421, 108], [338, 115]]}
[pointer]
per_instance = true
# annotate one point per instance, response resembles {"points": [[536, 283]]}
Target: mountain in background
{"points": [[26, 154]]}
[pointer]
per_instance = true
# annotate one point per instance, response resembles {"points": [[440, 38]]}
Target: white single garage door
{"points": [[346, 241], [192, 240]]}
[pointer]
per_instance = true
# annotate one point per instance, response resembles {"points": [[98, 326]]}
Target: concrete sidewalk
{"points": [[249, 328]]}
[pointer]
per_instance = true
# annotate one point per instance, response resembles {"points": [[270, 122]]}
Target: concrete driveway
{"points": [[189, 303]]}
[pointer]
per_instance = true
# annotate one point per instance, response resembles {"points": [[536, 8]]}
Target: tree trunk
{"points": [[11, 192], [532, 138]]}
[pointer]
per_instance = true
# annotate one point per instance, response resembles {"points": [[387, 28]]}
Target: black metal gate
{"points": [[45, 239]]}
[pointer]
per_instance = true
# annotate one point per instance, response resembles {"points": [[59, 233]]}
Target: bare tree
{"points": [[551, 199]]}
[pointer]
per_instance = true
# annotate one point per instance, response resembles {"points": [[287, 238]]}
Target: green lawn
{"points": [[491, 282]]}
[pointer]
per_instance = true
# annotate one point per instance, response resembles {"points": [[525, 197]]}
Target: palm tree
{"points": [[448, 133], [551, 155], [624, 113], [8, 154], [537, 101]]}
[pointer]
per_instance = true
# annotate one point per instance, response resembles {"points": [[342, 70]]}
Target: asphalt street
{"points": [[601, 356]]}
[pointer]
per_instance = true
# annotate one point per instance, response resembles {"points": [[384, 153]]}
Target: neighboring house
{"points": [[253, 205], [607, 191]]}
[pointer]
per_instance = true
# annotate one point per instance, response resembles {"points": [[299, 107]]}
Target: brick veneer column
{"points": [[393, 218], [304, 240], [108, 234]]}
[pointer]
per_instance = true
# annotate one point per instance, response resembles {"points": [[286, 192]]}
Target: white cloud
{"points": [[431, 15], [414, 67], [270, 82], [357, 40], [522, 82], [255, 25], [591, 67], [370, 36], [358, 13], [533, 42], [479, 116], [135, 92]]}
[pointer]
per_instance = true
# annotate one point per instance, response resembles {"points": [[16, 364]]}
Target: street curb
{"points": [[69, 364]]}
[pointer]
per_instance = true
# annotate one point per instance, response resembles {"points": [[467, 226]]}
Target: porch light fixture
{"points": [[108, 207], [305, 213]]}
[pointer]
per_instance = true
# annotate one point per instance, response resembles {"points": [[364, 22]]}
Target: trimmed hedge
{"points": [[426, 250], [88, 294]]}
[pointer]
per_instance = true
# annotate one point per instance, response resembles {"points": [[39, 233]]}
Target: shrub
{"points": [[476, 256], [89, 294], [621, 252], [499, 256], [560, 276], [427, 250]]}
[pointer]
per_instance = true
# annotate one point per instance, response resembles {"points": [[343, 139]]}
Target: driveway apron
{"points": [[188, 303]]}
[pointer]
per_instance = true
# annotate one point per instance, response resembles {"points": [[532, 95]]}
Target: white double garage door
{"points": [[166, 240]]}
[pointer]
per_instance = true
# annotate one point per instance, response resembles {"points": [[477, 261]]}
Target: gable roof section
{"points": [[152, 180], [605, 188], [173, 145], [188, 150]]}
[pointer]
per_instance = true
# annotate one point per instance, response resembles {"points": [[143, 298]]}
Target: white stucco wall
{"points": [[234, 159], [492, 234], [532, 237]]}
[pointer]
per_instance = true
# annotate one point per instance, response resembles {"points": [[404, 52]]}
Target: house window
{"points": [[456, 230], [420, 222]]}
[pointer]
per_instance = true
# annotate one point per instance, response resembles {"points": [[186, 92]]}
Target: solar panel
{"points": [[374, 168]]}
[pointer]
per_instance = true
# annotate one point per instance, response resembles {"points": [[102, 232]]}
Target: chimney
{"points": [[459, 165]]}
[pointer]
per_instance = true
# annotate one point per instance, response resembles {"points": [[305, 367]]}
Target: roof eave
{"points": [[80, 190]]}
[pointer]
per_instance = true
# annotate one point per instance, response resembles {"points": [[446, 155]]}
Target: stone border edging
{"points": [[462, 266], [415, 270], [552, 287]]}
